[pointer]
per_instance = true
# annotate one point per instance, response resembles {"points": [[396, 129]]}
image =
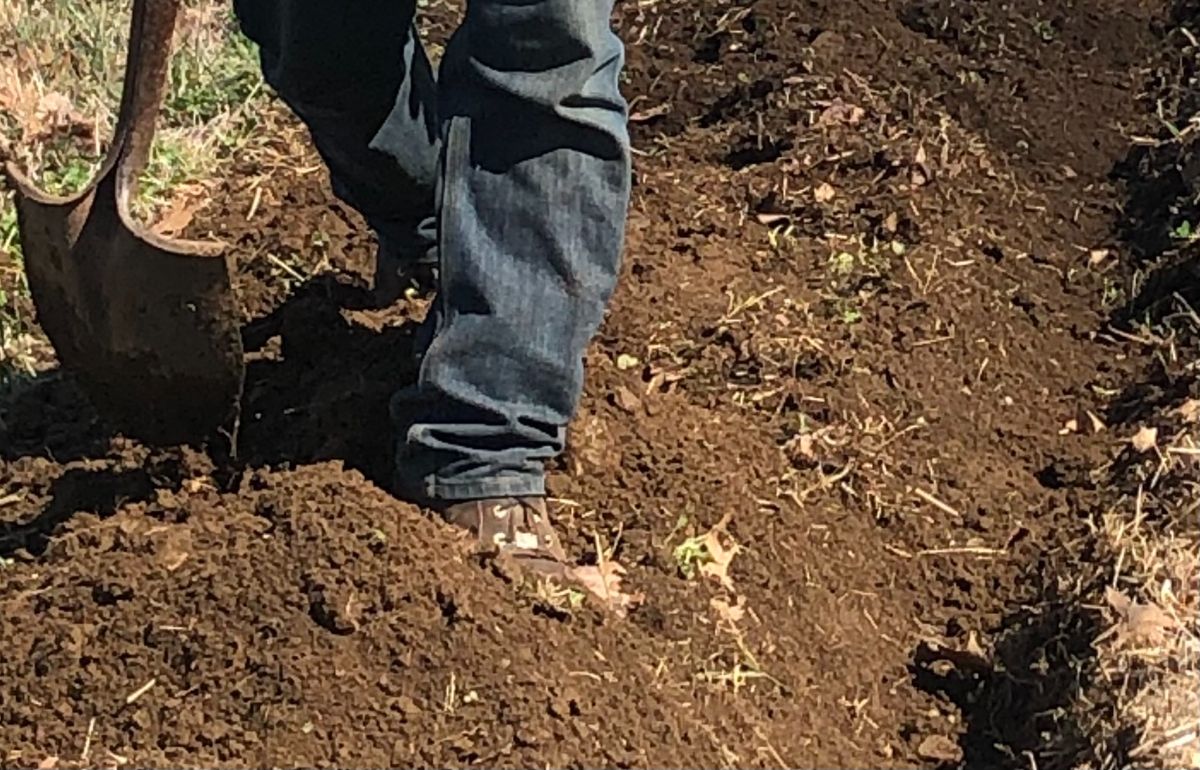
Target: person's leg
{"points": [[356, 74], [535, 187]]}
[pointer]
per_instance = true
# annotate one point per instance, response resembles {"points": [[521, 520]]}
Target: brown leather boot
{"points": [[517, 527]]}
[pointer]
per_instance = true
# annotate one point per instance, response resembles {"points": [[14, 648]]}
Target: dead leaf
{"points": [[49, 763], [720, 555], [824, 193], [1145, 623], [840, 113], [1190, 410], [1096, 256], [1117, 600], [627, 400], [177, 217], [56, 113], [1145, 439], [604, 582], [1148, 622], [731, 613], [939, 748], [891, 222], [921, 173], [1071, 426], [1098, 425], [626, 361]]}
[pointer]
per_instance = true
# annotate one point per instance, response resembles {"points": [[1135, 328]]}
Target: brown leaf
{"points": [[731, 613], [1145, 439], [49, 763], [1148, 622], [891, 222], [1117, 600], [720, 556], [604, 582], [939, 748], [1141, 622], [627, 400], [841, 113], [824, 193], [1190, 410], [55, 113], [177, 218]]}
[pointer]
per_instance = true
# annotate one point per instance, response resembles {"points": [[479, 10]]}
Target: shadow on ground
{"points": [[318, 385], [323, 368], [1018, 700]]}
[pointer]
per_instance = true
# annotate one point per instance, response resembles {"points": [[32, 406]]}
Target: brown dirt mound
{"points": [[307, 618], [860, 304]]}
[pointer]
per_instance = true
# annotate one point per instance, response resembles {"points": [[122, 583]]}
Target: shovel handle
{"points": [[147, 65]]}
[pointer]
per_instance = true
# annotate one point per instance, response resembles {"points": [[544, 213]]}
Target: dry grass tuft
{"points": [[1149, 659], [1151, 655]]}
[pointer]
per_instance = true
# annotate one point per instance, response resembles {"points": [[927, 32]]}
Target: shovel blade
{"points": [[148, 326]]}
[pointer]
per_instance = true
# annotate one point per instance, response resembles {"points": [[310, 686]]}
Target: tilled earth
{"points": [[873, 256]]}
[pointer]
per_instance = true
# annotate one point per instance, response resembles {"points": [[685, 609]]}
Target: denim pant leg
{"points": [[535, 188], [357, 75]]}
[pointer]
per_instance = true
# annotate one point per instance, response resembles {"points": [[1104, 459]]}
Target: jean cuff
{"points": [[431, 490]]}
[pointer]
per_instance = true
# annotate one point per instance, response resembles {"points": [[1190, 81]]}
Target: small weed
{"points": [[737, 676], [843, 263], [559, 597], [690, 555], [971, 78], [782, 239], [69, 176], [1044, 30], [869, 262], [1184, 231], [1112, 294]]}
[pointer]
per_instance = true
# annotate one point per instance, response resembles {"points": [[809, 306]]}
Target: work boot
{"points": [[517, 527], [398, 276]]}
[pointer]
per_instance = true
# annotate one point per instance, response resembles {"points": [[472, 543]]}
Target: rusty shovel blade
{"points": [[148, 325]]}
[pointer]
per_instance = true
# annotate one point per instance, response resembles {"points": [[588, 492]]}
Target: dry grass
{"points": [[1151, 657]]}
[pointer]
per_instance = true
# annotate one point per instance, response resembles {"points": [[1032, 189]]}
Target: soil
{"points": [[874, 254]]}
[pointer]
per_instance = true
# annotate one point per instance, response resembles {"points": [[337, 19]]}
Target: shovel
{"points": [[147, 325]]}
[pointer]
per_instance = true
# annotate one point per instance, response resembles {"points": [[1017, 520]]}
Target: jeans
{"points": [[511, 167]]}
